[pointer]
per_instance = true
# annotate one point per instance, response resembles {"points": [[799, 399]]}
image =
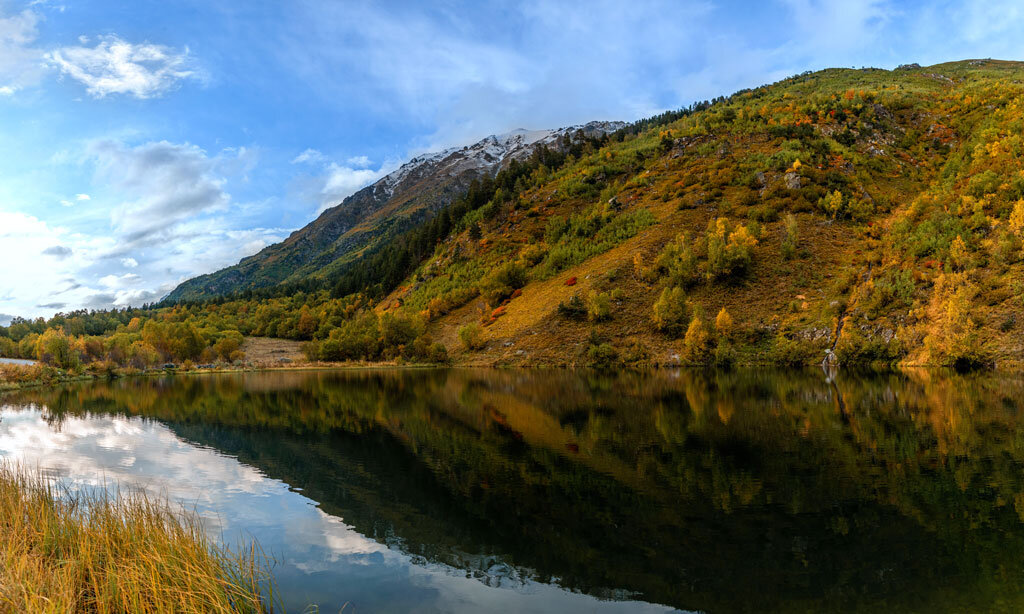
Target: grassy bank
{"points": [[62, 551], [13, 377]]}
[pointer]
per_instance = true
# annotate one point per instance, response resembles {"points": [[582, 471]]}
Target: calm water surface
{"points": [[555, 491], [16, 361]]}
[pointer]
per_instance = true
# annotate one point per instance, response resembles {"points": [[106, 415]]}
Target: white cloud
{"points": [[206, 245], [115, 66], [20, 61], [170, 218], [65, 202], [337, 180], [341, 181], [162, 183], [73, 270], [43, 284], [117, 282], [308, 156]]}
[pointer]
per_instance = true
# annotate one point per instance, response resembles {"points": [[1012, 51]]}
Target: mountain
{"points": [[396, 202], [845, 216], [842, 215]]}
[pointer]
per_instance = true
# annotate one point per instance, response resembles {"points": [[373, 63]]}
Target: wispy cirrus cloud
{"points": [[20, 60], [309, 156]]}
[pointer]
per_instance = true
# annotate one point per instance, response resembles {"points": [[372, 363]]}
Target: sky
{"points": [[146, 142]]}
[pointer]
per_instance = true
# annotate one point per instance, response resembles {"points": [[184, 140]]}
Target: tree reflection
{"points": [[719, 491]]}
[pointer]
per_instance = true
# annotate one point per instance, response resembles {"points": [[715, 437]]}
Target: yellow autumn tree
{"points": [[1017, 223], [952, 337], [723, 323], [54, 347], [730, 251], [959, 257], [697, 343], [833, 204]]}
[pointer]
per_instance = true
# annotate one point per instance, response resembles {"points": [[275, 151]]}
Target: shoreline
{"points": [[54, 376]]}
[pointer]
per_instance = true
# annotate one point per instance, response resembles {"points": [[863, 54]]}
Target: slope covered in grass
{"points": [[885, 206]]}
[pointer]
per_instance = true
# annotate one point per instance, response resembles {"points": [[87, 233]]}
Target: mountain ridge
{"points": [[416, 189]]}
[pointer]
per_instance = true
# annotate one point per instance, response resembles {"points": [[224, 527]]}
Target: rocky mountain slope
{"points": [[377, 212]]}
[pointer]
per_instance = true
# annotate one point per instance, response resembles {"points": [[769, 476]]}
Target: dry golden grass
{"points": [[67, 552], [265, 350]]}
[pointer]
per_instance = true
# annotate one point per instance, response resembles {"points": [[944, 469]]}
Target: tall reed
{"points": [[71, 551]]}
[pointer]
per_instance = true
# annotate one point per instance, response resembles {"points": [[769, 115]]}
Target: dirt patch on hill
{"points": [[264, 350]]}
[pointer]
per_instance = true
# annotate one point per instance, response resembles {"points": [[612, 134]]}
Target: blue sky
{"points": [[145, 142]]}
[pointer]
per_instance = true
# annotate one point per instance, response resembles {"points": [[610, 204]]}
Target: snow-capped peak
{"points": [[488, 153]]}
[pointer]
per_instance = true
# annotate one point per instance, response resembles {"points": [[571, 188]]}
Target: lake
{"points": [[565, 491], [17, 361]]}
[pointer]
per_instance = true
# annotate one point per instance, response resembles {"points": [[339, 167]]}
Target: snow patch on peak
{"points": [[521, 136], [488, 153]]}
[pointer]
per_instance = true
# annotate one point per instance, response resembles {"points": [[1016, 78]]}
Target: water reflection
{"points": [[468, 490]]}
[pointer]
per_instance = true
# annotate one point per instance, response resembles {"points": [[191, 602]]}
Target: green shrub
{"points": [[853, 348], [603, 355], [532, 254], [424, 348], [589, 234], [399, 329], [725, 353], [574, 309], [472, 336], [790, 352], [791, 238], [503, 281], [678, 260], [893, 290], [763, 213], [555, 229], [599, 306]]}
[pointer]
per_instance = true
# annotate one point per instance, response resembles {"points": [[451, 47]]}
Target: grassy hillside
{"points": [[885, 206], [850, 216]]}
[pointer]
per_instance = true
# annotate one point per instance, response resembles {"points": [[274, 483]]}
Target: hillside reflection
{"points": [[712, 491]]}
